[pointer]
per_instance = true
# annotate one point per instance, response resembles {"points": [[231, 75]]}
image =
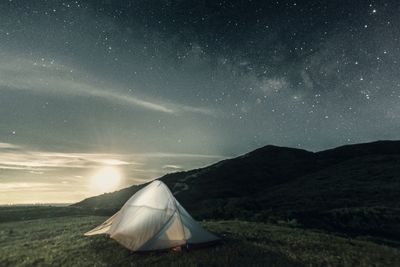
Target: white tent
{"points": [[152, 219]]}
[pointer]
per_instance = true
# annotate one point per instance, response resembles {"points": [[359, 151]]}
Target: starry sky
{"points": [[152, 87]]}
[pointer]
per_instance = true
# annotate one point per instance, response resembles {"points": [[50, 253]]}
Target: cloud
{"points": [[52, 78], [16, 157], [180, 155], [39, 161], [172, 167], [35, 187], [8, 146], [24, 186]]}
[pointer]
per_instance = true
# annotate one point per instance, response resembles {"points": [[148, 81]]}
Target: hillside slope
{"points": [[354, 188]]}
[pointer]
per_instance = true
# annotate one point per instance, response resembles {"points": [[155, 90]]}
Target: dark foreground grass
{"points": [[59, 241]]}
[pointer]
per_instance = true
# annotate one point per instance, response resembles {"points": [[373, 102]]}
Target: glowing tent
{"points": [[152, 219]]}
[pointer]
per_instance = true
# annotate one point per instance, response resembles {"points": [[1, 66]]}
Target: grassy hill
{"points": [[352, 189], [56, 238]]}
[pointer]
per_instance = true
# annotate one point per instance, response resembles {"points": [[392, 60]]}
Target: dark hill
{"points": [[353, 188]]}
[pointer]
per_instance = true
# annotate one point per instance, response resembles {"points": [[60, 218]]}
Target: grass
{"points": [[59, 241]]}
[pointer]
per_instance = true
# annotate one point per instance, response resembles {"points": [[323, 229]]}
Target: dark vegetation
{"points": [[353, 190]]}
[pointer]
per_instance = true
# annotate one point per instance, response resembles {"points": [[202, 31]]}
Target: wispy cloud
{"points": [[179, 155], [14, 157], [24, 186], [8, 146], [172, 167], [53, 78], [40, 161]]}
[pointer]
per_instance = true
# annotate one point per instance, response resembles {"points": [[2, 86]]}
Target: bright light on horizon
{"points": [[107, 179]]}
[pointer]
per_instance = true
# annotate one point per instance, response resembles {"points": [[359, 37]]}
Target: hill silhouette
{"points": [[353, 189]]}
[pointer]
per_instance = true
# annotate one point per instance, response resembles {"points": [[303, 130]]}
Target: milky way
{"points": [[170, 85]]}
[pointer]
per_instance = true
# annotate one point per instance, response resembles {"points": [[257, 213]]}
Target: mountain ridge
{"points": [[335, 189]]}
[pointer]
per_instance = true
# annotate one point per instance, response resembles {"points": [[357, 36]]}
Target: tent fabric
{"points": [[152, 219]]}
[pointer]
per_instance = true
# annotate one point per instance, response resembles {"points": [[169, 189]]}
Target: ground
{"points": [[59, 241]]}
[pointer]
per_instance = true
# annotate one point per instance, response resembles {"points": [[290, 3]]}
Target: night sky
{"points": [[150, 87]]}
